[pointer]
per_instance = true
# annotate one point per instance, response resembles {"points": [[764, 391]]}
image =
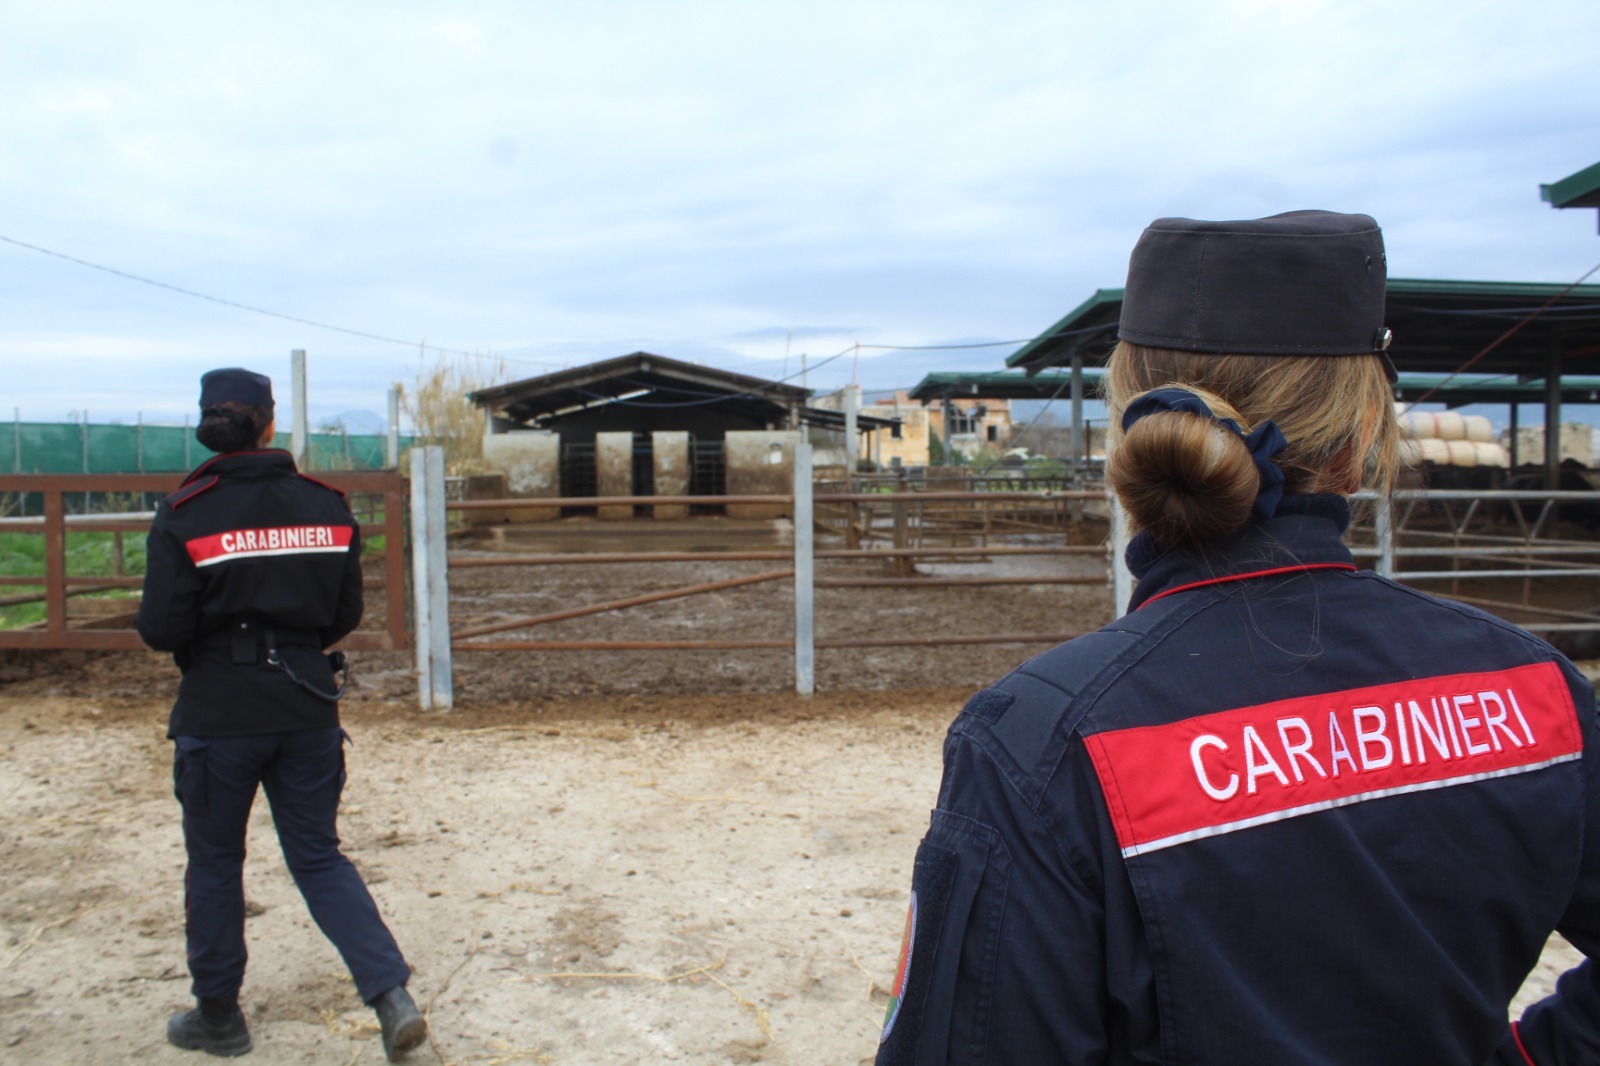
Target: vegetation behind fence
{"points": [[83, 448]]}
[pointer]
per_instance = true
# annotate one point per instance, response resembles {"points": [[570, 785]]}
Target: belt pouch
{"points": [[246, 646]]}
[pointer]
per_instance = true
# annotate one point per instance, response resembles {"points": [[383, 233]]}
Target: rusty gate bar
{"points": [[900, 552], [58, 586], [466, 563], [617, 605], [950, 582], [736, 645], [531, 502]]}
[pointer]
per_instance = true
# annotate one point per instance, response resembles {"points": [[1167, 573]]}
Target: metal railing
{"points": [[1431, 524], [906, 542]]}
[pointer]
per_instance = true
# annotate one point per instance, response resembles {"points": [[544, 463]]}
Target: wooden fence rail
{"points": [[58, 585]]}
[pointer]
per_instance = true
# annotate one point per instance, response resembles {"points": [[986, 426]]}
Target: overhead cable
{"points": [[247, 307], [1492, 345]]}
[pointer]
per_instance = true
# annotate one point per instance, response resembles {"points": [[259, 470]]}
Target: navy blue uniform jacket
{"points": [[247, 541], [1284, 812]]}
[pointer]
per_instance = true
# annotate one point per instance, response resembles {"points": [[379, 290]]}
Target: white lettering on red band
{"points": [[277, 540], [1220, 773]]}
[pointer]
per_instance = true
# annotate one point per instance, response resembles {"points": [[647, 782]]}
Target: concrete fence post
{"points": [[852, 442], [804, 647], [393, 454], [429, 584], [301, 441], [1383, 522]]}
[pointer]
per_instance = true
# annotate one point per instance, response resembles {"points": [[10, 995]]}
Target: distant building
{"points": [[895, 431]]}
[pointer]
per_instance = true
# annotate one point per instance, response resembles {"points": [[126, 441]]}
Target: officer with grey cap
{"points": [[253, 571], [1284, 810]]}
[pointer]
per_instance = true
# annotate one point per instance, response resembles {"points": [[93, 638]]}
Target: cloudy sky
{"points": [[721, 182]]}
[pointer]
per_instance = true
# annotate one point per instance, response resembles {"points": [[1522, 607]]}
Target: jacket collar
{"points": [[257, 463], [1305, 534]]}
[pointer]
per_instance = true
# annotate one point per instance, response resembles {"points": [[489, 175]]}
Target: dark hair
{"points": [[231, 427]]}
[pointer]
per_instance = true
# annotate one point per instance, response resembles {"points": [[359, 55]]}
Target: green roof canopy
{"points": [[1002, 384], [1577, 190], [1438, 326]]}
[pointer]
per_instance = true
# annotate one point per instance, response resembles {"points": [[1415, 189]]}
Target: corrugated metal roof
{"points": [[640, 379], [1438, 325]]}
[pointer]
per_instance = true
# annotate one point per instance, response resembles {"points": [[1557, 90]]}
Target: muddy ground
{"points": [[632, 858]]}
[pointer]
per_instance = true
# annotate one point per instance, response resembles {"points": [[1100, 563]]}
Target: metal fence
{"points": [[1480, 546], [1504, 551], [900, 549], [56, 586]]}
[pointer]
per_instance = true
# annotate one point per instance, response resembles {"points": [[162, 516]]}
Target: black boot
{"points": [[403, 1025], [216, 1027]]}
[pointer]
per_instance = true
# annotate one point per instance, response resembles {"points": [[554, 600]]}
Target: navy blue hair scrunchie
{"points": [[1265, 442]]}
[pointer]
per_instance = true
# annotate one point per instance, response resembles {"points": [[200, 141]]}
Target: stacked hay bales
{"points": [[1448, 438]]}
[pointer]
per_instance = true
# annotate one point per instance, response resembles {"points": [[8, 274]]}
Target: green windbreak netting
{"points": [[74, 448]]}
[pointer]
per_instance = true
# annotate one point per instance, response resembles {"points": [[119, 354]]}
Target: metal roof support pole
{"points": [[1552, 414], [429, 584], [949, 450], [1513, 437], [301, 442], [804, 636], [1077, 415]]}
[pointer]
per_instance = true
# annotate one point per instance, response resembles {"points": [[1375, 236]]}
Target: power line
{"points": [[248, 307], [424, 346]]}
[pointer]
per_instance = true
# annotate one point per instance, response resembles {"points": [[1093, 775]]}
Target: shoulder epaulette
{"points": [[324, 484], [190, 491]]}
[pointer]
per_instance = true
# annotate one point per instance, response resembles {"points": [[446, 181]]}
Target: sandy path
{"points": [[717, 879], [744, 866]]}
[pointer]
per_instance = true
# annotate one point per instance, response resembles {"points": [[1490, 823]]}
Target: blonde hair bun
{"points": [[1184, 477]]}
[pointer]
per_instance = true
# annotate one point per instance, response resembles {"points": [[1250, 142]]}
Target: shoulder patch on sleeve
{"points": [[989, 705], [190, 491]]}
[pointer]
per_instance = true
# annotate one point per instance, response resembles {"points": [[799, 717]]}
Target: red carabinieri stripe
{"points": [[1237, 769], [277, 540], [1254, 573]]}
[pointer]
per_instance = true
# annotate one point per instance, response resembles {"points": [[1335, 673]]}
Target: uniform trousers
{"points": [[215, 779]]}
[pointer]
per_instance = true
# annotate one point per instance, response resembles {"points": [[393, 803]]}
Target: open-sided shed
{"points": [[1520, 332], [644, 424]]}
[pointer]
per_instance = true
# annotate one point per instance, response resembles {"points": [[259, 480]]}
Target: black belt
{"points": [[248, 637]]}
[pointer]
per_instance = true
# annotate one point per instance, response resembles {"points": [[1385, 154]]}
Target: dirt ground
{"points": [[678, 879], [706, 879], [642, 857]]}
